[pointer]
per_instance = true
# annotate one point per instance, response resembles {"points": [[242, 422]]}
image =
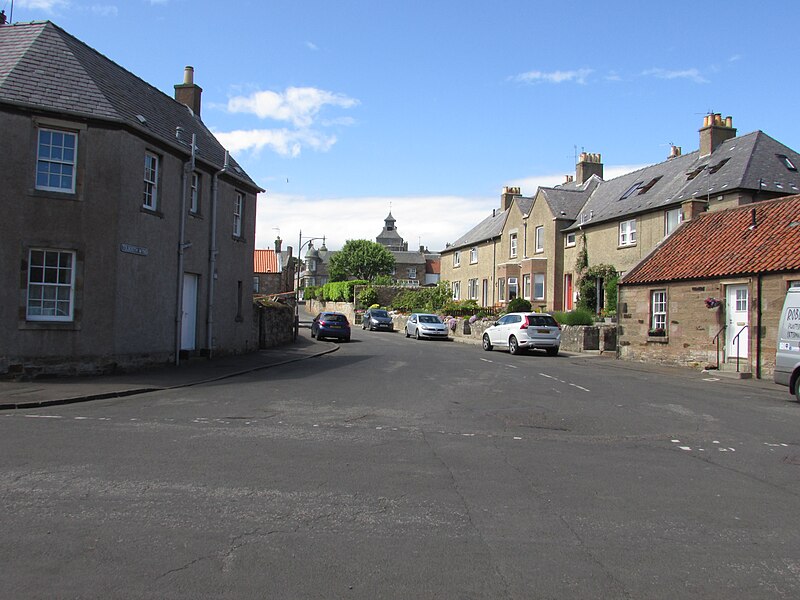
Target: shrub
{"points": [[519, 305], [367, 296], [579, 316]]}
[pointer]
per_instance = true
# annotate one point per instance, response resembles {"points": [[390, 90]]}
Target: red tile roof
{"points": [[265, 261], [724, 243]]}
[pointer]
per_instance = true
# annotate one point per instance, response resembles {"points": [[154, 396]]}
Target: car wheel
{"points": [[487, 343], [363, 326], [418, 336], [407, 334], [313, 335], [513, 346], [797, 388], [552, 351], [347, 339], [371, 328]]}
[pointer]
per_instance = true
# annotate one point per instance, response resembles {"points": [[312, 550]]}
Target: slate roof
{"points": [[725, 243], [565, 201], [490, 228], [43, 67], [748, 162], [265, 261], [408, 257]]}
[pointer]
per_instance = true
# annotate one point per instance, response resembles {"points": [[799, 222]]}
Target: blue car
{"points": [[330, 325]]}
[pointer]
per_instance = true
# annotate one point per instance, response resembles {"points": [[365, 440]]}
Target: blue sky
{"points": [[343, 109]]}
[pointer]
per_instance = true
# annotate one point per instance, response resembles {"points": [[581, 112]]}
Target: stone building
{"points": [[128, 231], [273, 270], [711, 294]]}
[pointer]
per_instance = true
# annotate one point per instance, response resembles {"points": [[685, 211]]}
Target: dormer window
{"points": [[692, 174], [646, 188], [787, 162], [718, 166]]}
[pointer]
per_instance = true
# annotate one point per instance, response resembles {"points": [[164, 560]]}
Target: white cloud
{"points": [[104, 10], [576, 76], [312, 46], [285, 142], [691, 74], [430, 221], [300, 106], [48, 6]]}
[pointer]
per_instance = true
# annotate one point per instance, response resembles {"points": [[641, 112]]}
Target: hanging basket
{"points": [[713, 302]]}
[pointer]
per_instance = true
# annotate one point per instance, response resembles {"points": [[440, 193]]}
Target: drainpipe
{"points": [[188, 169], [758, 327], [212, 255]]}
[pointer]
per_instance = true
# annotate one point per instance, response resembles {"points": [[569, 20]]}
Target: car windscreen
{"points": [[334, 318], [379, 313], [429, 319], [542, 321]]}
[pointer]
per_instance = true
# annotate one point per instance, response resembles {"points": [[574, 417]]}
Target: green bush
{"points": [[339, 291], [310, 292], [367, 297], [579, 316], [519, 305], [430, 299]]}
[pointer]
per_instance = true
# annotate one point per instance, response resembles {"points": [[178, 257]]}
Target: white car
{"points": [[522, 331], [421, 325]]}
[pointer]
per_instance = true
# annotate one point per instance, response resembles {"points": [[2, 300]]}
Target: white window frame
{"points": [[501, 289], [457, 258], [238, 212], [658, 309], [627, 233], [526, 286], [194, 200], [513, 284], [412, 272], [151, 172], [570, 239], [50, 283], [50, 164], [456, 285], [473, 255], [512, 245], [672, 218], [539, 239], [472, 289], [538, 284], [256, 282]]}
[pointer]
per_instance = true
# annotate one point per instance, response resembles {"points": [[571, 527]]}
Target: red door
{"points": [[568, 291]]}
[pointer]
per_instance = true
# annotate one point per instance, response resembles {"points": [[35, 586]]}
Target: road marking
{"points": [[44, 417], [579, 387]]}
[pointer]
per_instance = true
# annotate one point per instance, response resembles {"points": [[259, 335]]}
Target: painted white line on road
{"points": [[710, 378], [684, 448], [580, 387], [44, 417], [487, 360], [546, 375], [512, 367]]}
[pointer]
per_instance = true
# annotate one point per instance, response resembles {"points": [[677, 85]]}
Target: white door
{"points": [[189, 319], [737, 321]]}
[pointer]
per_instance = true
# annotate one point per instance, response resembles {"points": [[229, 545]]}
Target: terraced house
{"points": [[537, 244], [128, 231]]}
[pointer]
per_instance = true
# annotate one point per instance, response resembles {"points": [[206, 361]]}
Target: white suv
{"points": [[521, 331]]}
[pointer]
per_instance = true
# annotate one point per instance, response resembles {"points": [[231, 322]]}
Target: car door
{"points": [[496, 332]]}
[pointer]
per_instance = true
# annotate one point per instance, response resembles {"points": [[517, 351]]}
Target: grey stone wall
{"points": [[275, 325]]}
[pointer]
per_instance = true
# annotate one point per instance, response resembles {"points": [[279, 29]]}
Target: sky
{"points": [[346, 110]]}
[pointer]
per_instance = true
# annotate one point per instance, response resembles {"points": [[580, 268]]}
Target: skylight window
{"points": [[692, 174], [646, 188], [787, 162], [631, 190], [718, 166]]}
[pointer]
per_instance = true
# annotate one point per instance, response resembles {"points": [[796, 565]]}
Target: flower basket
{"points": [[713, 302]]}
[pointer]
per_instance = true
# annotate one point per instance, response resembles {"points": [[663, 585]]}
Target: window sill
{"points": [[195, 215], [239, 239], [623, 247], [53, 194], [658, 339], [151, 211], [49, 326]]}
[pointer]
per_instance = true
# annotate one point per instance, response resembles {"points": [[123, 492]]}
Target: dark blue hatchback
{"points": [[330, 325]]}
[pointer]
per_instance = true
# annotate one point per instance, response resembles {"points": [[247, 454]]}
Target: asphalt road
{"points": [[394, 468]]}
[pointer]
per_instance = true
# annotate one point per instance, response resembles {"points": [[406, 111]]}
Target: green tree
{"points": [[361, 259]]}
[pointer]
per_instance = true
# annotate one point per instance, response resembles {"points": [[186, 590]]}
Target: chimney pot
{"points": [[188, 75], [188, 92]]}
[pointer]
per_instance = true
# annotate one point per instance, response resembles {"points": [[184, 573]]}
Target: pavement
{"points": [[42, 392]]}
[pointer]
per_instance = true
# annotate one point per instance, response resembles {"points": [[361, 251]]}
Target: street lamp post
{"points": [[300, 245]]}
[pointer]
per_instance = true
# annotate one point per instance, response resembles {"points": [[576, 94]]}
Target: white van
{"points": [[787, 360]]}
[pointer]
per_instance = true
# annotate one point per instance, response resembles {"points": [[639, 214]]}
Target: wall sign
{"points": [[129, 249]]}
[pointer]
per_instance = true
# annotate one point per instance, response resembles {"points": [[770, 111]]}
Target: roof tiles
{"points": [[755, 238]]}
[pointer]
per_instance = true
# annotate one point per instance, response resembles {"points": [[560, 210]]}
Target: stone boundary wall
{"points": [[275, 325], [574, 338]]}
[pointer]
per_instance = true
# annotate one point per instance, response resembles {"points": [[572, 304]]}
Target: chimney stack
{"points": [[508, 196], [568, 179], [692, 207], [714, 132], [278, 242], [588, 164], [674, 152], [188, 93]]}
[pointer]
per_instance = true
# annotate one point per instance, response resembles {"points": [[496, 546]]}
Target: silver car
{"points": [[522, 331], [421, 326]]}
